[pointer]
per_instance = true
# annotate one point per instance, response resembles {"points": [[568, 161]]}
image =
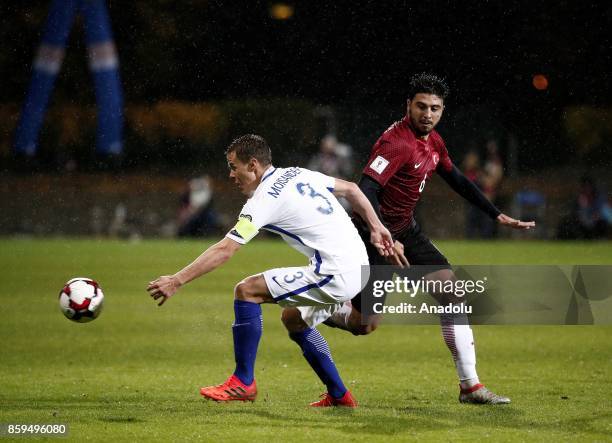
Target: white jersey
{"points": [[299, 205]]}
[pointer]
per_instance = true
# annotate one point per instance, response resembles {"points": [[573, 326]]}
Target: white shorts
{"points": [[316, 296]]}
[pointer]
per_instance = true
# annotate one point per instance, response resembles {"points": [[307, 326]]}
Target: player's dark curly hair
{"points": [[251, 146], [428, 84]]}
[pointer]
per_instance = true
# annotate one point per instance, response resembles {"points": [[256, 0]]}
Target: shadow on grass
{"points": [[389, 421], [375, 419], [121, 420]]}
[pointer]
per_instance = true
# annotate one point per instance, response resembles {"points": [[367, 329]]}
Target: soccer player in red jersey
{"points": [[406, 155]]}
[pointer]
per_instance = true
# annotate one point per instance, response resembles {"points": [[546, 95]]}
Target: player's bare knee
{"points": [[242, 292], [286, 317], [292, 319], [444, 298], [364, 329], [253, 289], [362, 325]]}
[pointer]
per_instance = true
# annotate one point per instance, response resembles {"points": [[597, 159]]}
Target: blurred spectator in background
{"points": [[531, 203], [474, 217], [333, 158], [493, 170], [590, 216], [122, 226], [197, 216], [606, 212], [490, 181]]}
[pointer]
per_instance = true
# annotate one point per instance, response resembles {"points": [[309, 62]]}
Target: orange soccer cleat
{"points": [[232, 390], [347, 400]]}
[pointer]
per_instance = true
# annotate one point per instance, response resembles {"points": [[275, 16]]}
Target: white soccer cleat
{"points": [[478, 394]]}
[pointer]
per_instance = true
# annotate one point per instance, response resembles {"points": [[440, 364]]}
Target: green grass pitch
{"points": [[134, 373]]}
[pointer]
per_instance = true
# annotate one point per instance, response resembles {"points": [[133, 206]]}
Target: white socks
{"points": [[460, 342]]}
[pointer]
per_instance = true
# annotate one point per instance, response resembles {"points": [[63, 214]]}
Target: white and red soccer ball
{"points": [[81, 299]]}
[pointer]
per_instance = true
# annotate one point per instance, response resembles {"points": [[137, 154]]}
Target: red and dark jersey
{"points": [[402, 163]]}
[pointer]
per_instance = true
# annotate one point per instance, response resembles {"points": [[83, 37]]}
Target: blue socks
{"points": [[316, 352], [247, 331]]}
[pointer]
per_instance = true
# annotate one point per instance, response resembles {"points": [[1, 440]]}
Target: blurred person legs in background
{"points": [[103, 64], [490, 181], [590, 216], [474, 217]]}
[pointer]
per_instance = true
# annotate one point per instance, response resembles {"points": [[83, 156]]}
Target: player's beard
{"points": [[422, 132], [416, 126]]}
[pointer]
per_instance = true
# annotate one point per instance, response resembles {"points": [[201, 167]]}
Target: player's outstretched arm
{"points": [[380, 236], [166, 286]]}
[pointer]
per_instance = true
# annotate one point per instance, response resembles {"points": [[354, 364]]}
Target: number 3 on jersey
{"points": [[306, 190]]}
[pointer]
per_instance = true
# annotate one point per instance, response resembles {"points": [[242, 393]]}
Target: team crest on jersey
{"points": [[379, 164], [435, 158]]}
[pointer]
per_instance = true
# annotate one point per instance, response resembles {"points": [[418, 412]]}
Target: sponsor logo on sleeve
{"points": [[235, 233], [379, 164]]}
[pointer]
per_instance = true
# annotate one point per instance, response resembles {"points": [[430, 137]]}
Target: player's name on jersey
{"points": [[282, 181], [423, 308]]}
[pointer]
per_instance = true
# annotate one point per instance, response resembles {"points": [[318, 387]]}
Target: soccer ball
{"points": [[81, 299]]}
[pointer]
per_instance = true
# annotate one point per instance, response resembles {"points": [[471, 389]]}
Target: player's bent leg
{"points": [[317, 353], [309, 298], [247, 328]]}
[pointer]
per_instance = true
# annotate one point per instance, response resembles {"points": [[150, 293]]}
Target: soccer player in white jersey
{"points": [[300, 205]]}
